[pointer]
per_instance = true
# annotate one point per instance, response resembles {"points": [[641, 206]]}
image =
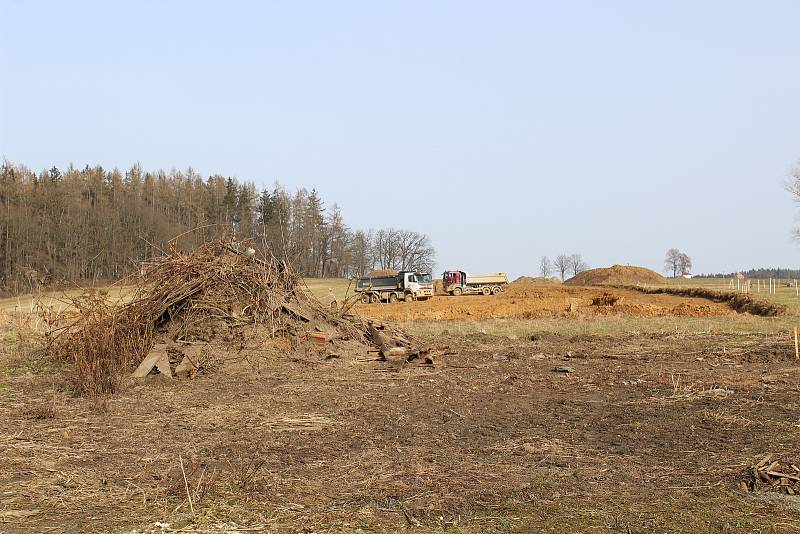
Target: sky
{"points": [[503, 130]]}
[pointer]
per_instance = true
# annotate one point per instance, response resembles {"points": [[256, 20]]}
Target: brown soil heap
{"points": [[217, 297], [617, 275], [382, 272], [536, 280]]}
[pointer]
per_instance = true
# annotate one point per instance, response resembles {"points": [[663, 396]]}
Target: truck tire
{"points": [[457, 292], [409, 297], [374, 299], [392, 297], [486, 290], [365, 298], [496, 290]]}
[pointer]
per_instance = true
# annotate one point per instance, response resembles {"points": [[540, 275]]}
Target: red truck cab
{"points": [[451, 279]]}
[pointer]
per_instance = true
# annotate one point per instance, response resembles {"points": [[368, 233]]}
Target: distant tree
{"points": [[577, 264], [677, 262], [684, 263], [792, 185], [402, 250], [88, 224], [545, 268], [562, 265], [672, 261]]}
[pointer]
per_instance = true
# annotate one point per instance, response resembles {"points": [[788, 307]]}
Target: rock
{"points": [[564, 369]]}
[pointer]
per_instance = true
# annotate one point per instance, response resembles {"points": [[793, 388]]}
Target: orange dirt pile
{"points": [[522, 280], [382, 272], [617, 275], [529, 301]]}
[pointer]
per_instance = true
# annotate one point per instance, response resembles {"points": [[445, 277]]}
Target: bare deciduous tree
{"points": [[677, 262], [402, 250], [577, 264], [545, 268], [792, 185], [684, 263], [562, 265]]}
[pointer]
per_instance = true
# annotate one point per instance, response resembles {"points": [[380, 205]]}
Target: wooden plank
{"points": [[151, 360]]}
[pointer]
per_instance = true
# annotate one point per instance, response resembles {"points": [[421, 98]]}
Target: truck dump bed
{"points": [[497, 278], [379, 282]]}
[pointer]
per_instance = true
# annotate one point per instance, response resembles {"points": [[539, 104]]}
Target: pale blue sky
{"points": [[504, 130]]}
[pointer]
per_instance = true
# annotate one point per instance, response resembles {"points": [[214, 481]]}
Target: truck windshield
{"points": [[424, 278]]}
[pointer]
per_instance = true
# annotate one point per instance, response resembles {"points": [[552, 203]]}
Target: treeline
{"points": [[762, 273], [96, 224]]}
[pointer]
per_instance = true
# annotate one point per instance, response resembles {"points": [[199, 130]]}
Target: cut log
{"points": [[379, 339], [396, 352], [783, 476]]}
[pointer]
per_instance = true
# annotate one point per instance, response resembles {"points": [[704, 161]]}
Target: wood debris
{"points": [[207, 296], [773, 475]]}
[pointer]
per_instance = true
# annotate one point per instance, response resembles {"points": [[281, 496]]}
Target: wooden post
{"points": [[796, 348]]}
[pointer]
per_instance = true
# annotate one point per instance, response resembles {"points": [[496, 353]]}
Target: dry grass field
{"points": [[565, 421]]}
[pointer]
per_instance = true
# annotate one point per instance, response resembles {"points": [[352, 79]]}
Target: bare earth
{"points": [[634, 433], [528, 301]]}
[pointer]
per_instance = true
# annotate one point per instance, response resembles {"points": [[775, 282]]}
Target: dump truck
{"points": [[460, 283], [405, 285]]}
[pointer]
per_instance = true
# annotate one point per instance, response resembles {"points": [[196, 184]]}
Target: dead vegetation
{"points": [[490, 440], [218, 295], [773, 475]]}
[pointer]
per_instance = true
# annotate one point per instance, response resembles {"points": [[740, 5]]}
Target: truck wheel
{"points": [[457, 292], [365, 298], [409, 297], [496, 290], [373, 299], [486, 290], [392, 297]]}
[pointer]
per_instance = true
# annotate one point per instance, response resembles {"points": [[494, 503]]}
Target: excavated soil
{"points": [[617, 275], [530, 301]]}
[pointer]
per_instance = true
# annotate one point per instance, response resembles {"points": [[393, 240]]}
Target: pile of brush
{"points": [[773, 475], [207, 295]]}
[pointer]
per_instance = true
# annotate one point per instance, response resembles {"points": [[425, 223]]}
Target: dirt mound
{"points": [[382, 272], [536, 280], [617, 275], [737, 301], [214, 300]]}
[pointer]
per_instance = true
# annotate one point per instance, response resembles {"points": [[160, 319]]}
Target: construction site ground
{"points": [[529, 302], [521, 425]]}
